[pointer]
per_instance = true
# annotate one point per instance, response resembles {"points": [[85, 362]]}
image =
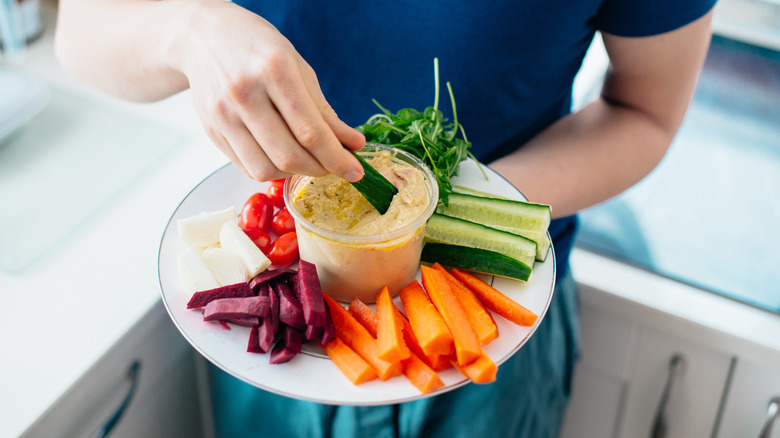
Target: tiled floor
{"points": [[709, 214]]}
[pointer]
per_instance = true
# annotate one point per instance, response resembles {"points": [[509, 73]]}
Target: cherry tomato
{"points": [[284, 250], [260, 237], [276, 193], [258, 212], [282, 222]]}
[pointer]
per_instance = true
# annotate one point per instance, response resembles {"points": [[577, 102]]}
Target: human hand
{"points": [[258, 99]]}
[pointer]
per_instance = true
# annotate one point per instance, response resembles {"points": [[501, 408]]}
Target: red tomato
{"points": [[284, 250], [276, 193], [260, 237], [258, 212], [283, 222]]}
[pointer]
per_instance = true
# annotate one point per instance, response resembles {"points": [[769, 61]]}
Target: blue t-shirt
{"points": [[511, 64]]}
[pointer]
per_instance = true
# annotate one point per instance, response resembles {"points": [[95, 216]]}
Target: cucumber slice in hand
{"points": [[377, 189]]}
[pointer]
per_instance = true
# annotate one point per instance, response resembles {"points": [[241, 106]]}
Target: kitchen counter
{"points": [[66, 311]]}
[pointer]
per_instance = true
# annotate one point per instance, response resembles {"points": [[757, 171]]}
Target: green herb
{"points": [[427, 135]]}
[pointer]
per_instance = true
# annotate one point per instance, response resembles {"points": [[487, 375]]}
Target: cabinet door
{"points": [[696, 394], [165, 400], [752, 388]]}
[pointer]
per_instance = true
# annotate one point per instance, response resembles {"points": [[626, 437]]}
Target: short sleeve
{"points": [[638, 18]]}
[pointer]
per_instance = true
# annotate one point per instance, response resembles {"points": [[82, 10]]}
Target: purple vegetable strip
{"points": [[306, 285], [249, 321], [269, 325], [254, 341], [268, 275], [201, 299], [329, 331], [288, 347], [313, 332], [236, 308], [290, 310], [263, 290]]}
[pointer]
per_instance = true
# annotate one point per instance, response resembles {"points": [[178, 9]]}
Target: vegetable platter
{"points": [[312, 375]]}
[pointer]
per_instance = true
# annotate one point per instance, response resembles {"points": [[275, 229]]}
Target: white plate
{"points": [[312, 376]]}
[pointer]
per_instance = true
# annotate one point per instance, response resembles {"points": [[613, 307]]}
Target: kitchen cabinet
{"points": [[635, 324], [754, 386], [161, 397]]}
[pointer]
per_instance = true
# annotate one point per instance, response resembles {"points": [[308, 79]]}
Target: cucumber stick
{"points": [[377, 190], [475, 259], [524, 218], [454, 231]]}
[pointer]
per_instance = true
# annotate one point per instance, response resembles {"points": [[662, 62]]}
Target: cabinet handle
{"points": [[772, 414], [133, 373], [660, 423]]}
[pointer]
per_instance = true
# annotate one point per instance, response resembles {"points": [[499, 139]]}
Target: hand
{"points": [[259, 101]]}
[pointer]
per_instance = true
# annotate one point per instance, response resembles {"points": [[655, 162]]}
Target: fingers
{"points": [[348, 136], [307, 126]]}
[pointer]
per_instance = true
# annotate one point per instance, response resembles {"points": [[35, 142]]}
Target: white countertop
{"points": [[67, 310]]}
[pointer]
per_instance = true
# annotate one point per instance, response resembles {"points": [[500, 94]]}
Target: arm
{"points": [[594, 154], [257, 99]]}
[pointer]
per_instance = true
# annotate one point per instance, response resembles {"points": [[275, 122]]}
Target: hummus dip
{"points": [[357, 251], [334, 204]]}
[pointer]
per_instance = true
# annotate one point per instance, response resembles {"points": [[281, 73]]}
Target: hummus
{"points": [[356, 250], [332, 203]]}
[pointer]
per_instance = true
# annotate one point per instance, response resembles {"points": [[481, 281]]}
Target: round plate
{"points": [[312, 376]]}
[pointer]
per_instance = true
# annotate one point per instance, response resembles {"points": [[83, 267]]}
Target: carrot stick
{"points": [[364, 315], [495, 300], [466, 345], [390, 341], [419, 373], [480, 370], [350, 363], [360, 340], [427, 323], [479, 317]]}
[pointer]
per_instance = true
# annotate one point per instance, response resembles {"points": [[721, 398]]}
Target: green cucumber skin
{"points": [[497, 212], [527, 219], [377, 190], [455, 231], [475, 259]]}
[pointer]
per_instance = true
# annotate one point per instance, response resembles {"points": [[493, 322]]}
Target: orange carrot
{"points": [[439, 362], [435, 361], [389, 338], [349, 330], [422, 376], [364, 315], [495, 300], [350, 363], [480, 370], [479, 317], [427, 323], [466, 345]]}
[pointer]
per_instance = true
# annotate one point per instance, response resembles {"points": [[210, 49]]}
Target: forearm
{"points": [[128, 48], [596, 153], [586, 157]]}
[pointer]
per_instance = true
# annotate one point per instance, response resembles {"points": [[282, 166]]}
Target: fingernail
{"points": [[353, 176]]}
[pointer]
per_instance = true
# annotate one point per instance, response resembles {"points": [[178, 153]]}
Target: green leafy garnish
{"points": [[426, 134]]}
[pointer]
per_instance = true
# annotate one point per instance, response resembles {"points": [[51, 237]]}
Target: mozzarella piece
{"points": [[194, 273], [203, 229], [226, 267], [233, 239]]}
